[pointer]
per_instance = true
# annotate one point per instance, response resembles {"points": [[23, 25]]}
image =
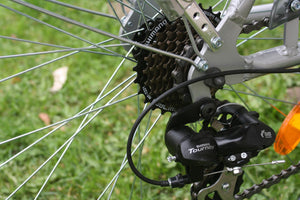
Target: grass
{"points": [[97, 151]]}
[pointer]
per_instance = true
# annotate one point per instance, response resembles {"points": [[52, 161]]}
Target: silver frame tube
{"points": [[227, 57]]}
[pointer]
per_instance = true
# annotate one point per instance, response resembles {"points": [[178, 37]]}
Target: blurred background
{"points": [[63, 85]]}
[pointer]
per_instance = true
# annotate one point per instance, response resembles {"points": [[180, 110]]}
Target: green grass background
{"points": [[97, 152]]}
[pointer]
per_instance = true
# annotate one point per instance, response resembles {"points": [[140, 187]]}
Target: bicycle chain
{"points": [[266, 183], [255, 25]]}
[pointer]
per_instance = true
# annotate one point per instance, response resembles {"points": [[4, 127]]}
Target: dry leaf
{"points": [[16, 80], [60, 77], [145, 150], [45, 118]]}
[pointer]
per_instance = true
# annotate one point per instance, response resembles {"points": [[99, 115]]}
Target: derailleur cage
{"points": [[224, 188]]}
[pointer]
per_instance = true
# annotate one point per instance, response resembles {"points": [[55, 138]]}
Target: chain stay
{"points": [[284, 174]]}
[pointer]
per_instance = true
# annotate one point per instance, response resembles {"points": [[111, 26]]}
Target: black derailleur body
{"points": [[230, 136]]}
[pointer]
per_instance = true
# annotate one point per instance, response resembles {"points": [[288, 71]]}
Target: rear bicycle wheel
{"points": [[66, 158]]}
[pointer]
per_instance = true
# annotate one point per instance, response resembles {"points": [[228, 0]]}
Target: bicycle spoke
{"points": [[140, 156], [125, 163], [153, 7], [69, 143], [105, 33], [142, 16], [58, 150], [33, 42], [217, 4], [237, 94], [252, 36], [80, 113], [115, 12], [61, 30], [264, 38], [48, 25], [224, 8], [65, 149], [49, 62], [53, 169], [131, 8], [101, 44], [82, 9], [64, 122], [141, 148], [36, 67], [51, 132], [265, 100], [260, 96], [58, 51]]}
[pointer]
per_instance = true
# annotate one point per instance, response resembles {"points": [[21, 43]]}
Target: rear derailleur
{"points": [[214, 154]]}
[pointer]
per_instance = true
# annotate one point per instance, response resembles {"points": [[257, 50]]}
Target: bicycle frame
{"points": [[227, 56]]}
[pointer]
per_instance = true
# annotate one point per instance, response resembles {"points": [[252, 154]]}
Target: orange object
{"points": [[288, 135]]}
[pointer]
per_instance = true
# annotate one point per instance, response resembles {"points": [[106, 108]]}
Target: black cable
{"points": [[172, 90]]}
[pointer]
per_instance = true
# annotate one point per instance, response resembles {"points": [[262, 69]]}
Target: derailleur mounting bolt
{"points": [[171, 158], [202, 65], [216, 42], [295, 5], [225, 186]]}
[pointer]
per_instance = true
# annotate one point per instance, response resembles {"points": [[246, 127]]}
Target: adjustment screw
{"points": [[216, 42], [130, 24], [171, 158], [225, 186], [150, 24], [202, 65], [295, 5], [232, 158], [244, 155]]}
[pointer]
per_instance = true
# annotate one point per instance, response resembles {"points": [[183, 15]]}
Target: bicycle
{"points": [[174, 49]]}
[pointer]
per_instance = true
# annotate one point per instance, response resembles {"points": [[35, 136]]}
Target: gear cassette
{"points": [[157, 73]]}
